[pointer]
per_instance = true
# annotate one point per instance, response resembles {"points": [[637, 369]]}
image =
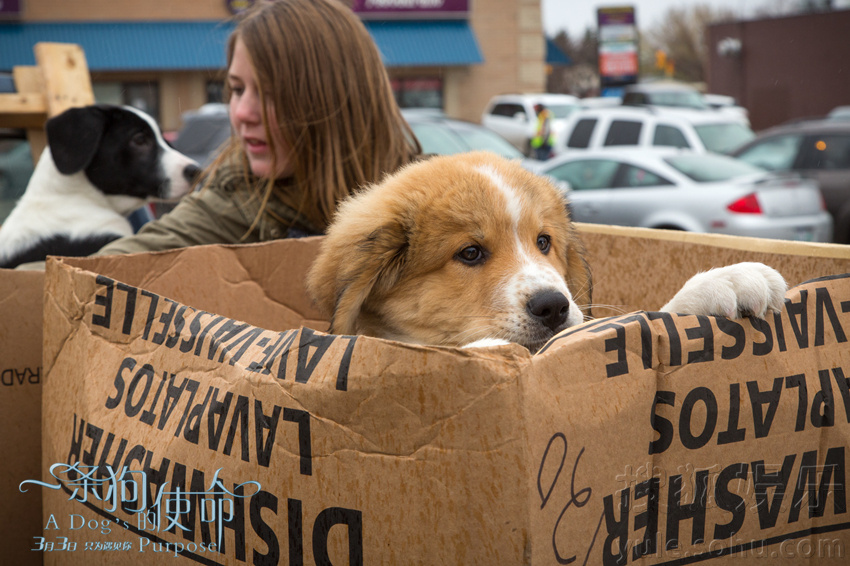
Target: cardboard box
{"points": [[641, 438], [20, 412]]}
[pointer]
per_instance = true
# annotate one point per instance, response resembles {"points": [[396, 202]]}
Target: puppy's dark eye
{"points": [[471, 255], [544, 243]]}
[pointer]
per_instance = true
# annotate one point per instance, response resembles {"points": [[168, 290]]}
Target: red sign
{"points": [[618, 64]]}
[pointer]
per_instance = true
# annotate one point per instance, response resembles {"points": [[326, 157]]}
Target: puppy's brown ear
{"points": [[363, 253]]}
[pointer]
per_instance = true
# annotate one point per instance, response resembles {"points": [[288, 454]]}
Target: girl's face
{"points": [[246, 117]]}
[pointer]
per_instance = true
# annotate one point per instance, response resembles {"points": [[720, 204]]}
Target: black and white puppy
{"points": [[102, 163]]}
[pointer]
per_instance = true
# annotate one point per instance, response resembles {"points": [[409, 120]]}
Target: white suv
{"points": [[699, 130], [512, 116]]}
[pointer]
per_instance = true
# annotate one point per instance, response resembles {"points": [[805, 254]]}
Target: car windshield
{"points": [[562, 110], [201, 136], [709, 168], [723, 138], [479, 138], [436, 139]]}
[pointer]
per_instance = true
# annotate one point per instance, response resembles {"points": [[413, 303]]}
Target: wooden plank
{"points": [[29, 80], [67, 82], [22, 110]]}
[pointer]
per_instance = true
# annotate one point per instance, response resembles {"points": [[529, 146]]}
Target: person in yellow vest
{"points": [[543, 139]]}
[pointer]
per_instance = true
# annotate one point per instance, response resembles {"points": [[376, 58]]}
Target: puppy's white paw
{"points": [[486, 343], [733, 291]]}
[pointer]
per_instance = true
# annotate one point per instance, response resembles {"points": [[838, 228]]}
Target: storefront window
{"points": [[418, 92], [215, 91], [141, 95], [144, 96]]}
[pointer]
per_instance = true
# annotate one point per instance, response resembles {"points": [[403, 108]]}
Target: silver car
{"points": [[683, 190]]}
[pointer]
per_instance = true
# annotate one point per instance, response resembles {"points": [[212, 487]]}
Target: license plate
{"points": [[806, 234]]}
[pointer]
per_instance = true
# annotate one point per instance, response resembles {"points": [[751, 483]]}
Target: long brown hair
{"points": [[332, 98]]}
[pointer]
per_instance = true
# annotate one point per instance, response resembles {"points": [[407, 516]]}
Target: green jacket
{"points": [[221, 213]]}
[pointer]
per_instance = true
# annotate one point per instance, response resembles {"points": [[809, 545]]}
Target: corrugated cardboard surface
{"points": [[633, 269], [638, 268], [637, 439], [20, 404]]}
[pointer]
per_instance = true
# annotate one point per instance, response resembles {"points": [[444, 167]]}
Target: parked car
{"points": [[16, 168], [675, 95], [727, 104], [650, 127], [839, 113], [512, 116], [684, 190], [204, 131], [819, 149], [600, 101], [441, 135], [678, 95]]}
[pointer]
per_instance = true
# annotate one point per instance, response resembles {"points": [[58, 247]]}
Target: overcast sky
{"points": [[577, 15]]}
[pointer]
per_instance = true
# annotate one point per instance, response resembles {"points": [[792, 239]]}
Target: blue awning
{"points": [[175, 46], [123, 46], [425, 43], [554, 55]]}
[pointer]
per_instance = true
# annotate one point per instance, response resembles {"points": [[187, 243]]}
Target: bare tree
{"points": [[681, 36], [581, 78]]}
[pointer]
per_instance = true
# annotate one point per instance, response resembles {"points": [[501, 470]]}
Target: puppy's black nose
{"points": [[550, 308], [191, 172]]}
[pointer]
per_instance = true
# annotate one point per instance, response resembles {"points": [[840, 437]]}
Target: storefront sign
{"points": [[419, 9], [618, 49], [618, 60], [11, 9]]}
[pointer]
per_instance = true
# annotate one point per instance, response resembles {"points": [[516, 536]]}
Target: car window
{"points": [[634, 99], [623, 132], [562, 110], [709, 167], [507, 109], [587, 174], [776, 153], [481, 139], [669, 136], [827, 152], [633, 176], [580, 138], [437, 140], [723, 138]]}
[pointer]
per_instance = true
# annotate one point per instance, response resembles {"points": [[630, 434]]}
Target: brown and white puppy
{"points": [[475, 249]]}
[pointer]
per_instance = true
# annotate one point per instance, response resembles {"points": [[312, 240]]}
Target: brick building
{"points": [[782, 68], [168, 57]]}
